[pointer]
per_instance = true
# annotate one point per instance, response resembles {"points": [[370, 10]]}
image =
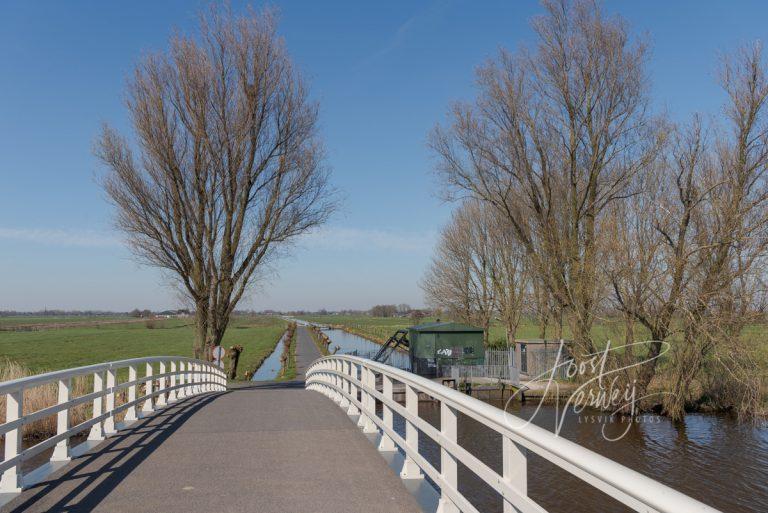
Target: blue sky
{"points": [[383, 73]]}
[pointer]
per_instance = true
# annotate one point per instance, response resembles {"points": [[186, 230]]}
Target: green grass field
{"points": [[76, 346], [23, 320]]}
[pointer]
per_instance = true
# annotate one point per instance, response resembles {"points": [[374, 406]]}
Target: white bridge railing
{"points": [[175, 378], [351, 381]]}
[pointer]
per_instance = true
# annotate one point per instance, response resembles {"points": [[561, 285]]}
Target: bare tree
{"points": [[229, 166], [653, 245], [687, 255], [556, 135], [720, 299], [510, 272], [461, 278]]}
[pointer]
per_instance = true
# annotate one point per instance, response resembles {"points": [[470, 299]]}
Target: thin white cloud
{"points": [[60, 237], [365, 239], [401, 34]]}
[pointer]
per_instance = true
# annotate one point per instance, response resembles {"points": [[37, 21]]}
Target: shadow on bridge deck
{"points": [[261, 447]]}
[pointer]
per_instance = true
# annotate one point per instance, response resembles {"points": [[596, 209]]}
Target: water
{"points": [[354, 344], [270, 368], [711, 458]]}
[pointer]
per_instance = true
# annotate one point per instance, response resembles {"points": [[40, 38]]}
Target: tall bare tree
{"points": [[556, 134], [227, 166], [720, 299], [461, 278], [510, 272]]}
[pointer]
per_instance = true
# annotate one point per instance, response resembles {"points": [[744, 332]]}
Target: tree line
{"points": [[579, 201]]}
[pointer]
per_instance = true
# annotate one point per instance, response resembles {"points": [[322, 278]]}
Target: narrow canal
{"points": [[712, 458], [270, 368]]}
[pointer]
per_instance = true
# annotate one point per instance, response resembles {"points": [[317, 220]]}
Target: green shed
{"points": [[444, 343]]}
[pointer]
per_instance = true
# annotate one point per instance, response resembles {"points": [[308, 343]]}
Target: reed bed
{"points": [[43, 396]]}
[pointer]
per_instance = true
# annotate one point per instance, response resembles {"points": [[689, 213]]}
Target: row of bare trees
{"points": [[579, 202], [225, 168]]}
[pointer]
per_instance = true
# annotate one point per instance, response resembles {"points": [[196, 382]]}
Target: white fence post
{"points": [[109, 422], [161, 387], [448, 464], [351, 388], [182, 381], [363, 395], [172, 392], [61, 451], [11, 480], [386, 443], [369, 380], [148, 390], [97, 431], [342, 382], [130, 412], [514, 470], [410, 469]]}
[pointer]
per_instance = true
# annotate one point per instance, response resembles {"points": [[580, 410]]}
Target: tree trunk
{"points": [[201, 329]]}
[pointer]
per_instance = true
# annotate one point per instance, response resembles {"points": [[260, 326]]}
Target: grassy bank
{"points": [[316, 338], [73, 347], [289, 371]]}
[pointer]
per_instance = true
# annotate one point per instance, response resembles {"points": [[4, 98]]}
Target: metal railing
{"points": [[498, 364], [351, 382], [176, 378]]}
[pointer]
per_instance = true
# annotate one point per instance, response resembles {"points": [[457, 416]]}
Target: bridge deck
{"points": [[267, 447]]}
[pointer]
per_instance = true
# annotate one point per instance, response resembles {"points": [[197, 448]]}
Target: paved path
{"points": [[261, 448], [306, 352]]}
